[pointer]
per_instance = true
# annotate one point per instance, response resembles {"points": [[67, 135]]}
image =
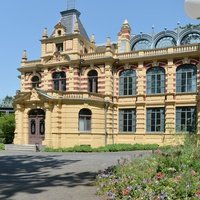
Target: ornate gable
{"points": [[60, 30], [29, 97]]}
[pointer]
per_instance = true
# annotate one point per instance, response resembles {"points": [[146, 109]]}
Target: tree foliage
{"points": [[7, 128], [7, 102]]}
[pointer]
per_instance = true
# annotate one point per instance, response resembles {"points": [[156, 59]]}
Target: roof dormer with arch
{"points": [[190, 34]]}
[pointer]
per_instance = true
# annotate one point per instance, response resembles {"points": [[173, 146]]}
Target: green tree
{"points": [[7, 128], [7, 102]]}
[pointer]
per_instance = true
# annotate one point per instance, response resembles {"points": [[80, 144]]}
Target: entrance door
{"points": [[36, 126]]}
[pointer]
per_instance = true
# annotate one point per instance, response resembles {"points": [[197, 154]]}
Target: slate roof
{"points": [[69, 17]]}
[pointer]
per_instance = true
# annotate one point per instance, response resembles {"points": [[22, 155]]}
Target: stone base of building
{"points": [[70, 140]]}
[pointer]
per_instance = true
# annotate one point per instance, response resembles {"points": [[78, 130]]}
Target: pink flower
{"points": [[197, 194], [160, 176], [125, 192], [193, 173]]}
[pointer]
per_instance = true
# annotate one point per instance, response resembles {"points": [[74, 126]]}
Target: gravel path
{"points": [[53, 176]]}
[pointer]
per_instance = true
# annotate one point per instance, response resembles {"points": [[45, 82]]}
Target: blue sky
{"points": [[22, 23]]}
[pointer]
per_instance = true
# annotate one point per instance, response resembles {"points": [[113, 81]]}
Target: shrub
{"points": [[82, 148], [107, 148], [2, 146], [7, 128]]}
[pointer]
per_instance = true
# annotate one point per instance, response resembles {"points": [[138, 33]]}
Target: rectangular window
{"points": [[186, 119], [127, 85], [185, 81], [155, 83], [59, 47], [127, 120], [84, 123], [155, 120]]}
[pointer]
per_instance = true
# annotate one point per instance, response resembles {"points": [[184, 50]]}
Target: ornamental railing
{"points": [[75, 95], [157, 52]]}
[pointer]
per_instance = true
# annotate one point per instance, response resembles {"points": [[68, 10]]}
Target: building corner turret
{"points": [[124, 38]]}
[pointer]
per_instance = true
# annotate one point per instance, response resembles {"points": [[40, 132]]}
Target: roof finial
{"points": [[108, 42], [92, 38], [24, 56], [45, 33], [152, 31], [71, 4]]}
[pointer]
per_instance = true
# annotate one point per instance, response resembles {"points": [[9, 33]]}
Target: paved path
{"points": [[53, 176]]}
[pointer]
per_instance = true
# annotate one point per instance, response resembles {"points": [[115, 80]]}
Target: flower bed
{"points": [[169, 174]]}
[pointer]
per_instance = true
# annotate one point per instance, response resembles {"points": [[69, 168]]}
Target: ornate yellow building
{"points": [[140, 89]]}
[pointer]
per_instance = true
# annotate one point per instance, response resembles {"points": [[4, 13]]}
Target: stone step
{"points": [[16, 147]]}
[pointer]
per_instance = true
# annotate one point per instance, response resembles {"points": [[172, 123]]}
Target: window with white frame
{"points": [[127, 120]]}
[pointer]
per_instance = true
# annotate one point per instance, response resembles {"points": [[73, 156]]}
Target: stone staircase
{"points": [[16, 147]]}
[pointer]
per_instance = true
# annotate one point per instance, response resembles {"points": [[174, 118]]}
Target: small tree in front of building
{"points": [[7, 128]]}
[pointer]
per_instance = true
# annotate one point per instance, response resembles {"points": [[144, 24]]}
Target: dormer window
{"points": [[59, 47], [59, 32]]}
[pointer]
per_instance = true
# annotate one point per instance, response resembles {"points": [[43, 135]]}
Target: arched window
{"points": [[59, 81], [85, 120], [156, 80], [127, 83], [35, 82], [142, 44], [166, 41], [191, 38], [93, 81], [186, 78]]}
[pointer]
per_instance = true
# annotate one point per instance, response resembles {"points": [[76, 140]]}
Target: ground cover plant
{"points": [[107, 148], [171, 173]]}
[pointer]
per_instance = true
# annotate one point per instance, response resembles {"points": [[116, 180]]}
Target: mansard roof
{"points": [[189, 34], [68, 20]]}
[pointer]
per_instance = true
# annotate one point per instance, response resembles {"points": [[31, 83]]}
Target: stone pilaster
{"points": [[140, 104], [48, 125], [108, 80], [70, 77], [170, 112], [19, 113]]}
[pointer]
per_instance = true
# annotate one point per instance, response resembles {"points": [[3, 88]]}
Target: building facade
{"points": [[141, 89]]}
